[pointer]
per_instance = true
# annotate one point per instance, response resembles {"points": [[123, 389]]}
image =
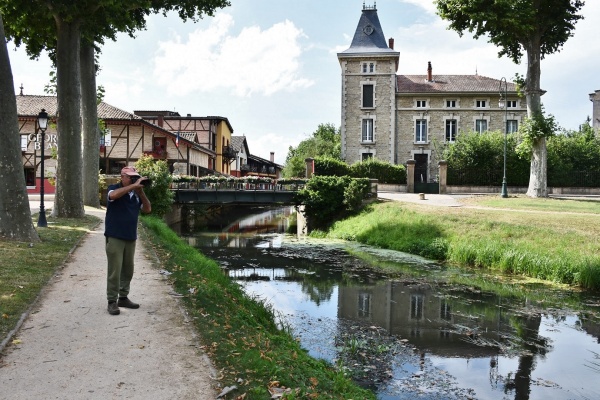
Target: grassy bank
{"points": [[27, 267], [549, 239], [240, 333]]}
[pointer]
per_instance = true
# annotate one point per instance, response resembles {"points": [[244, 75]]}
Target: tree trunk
{"points": [[15, 215], [91, 134], [68, 201], [538, 173]]}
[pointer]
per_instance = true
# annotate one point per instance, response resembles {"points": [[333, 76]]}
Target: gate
{"points": [[421, 176]]}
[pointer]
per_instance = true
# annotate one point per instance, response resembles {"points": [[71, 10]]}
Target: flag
{"points": [[177, 140]]}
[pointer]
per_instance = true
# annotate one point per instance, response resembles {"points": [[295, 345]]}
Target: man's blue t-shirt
{"points": [[122, 215]]}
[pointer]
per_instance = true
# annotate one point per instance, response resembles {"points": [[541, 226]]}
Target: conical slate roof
{"points": [[369, 37]]}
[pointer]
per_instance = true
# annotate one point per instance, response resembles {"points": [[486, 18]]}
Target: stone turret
{"points": [[369, 68]]}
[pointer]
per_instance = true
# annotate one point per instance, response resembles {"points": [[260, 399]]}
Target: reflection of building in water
{"points": [[591, 326], [271, 221], [430, 320]]}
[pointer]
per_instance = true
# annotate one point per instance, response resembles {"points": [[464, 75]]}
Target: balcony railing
{"points": [[258, 169], [229, 153]]}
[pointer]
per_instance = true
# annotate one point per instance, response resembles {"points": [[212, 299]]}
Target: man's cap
{"points": [[129, 171]]}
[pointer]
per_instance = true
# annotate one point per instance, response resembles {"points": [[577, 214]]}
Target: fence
{"points": [[478, 177]]}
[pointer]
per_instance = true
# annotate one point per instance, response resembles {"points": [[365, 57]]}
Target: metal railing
{"points": [[478, 177]]}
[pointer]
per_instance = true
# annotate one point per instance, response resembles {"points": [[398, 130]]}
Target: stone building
{"points": [[396, 118], [595, 99]]}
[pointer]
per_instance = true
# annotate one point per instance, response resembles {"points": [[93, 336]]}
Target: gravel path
{"points": [[69, 347]]}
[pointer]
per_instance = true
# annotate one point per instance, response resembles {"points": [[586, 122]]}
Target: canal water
{"points": [[412, 334]]}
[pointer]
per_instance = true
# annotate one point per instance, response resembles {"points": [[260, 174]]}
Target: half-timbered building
{"points": [[213, 133], [125, 139]]}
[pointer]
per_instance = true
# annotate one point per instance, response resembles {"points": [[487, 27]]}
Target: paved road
{"points": [[69, 347]]}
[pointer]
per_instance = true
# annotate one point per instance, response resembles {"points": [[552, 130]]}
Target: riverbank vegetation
{"points": [[250, 346], [516, 236], [327, 198]]}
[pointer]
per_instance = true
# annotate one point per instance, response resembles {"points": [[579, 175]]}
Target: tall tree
{"points": [[58, 26], [536, 27], [325, 142], [15, 215]]}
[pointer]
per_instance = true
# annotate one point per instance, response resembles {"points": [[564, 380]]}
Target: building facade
{"points": [[595, 99], [396, 118], [126, 138], [213, 133], [239, 144]]}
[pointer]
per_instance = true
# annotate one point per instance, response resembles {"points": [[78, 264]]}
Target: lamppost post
{"points": [[42, 125], [504, 103]]}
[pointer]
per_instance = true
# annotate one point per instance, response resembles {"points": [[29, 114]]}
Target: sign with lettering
{"points": [[51, 140]]}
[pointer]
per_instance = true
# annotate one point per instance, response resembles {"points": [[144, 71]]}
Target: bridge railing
{"points": [[216, 183]]}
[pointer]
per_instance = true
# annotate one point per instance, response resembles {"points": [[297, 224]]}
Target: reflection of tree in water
{"points": [[317, 291], [527, 329]]}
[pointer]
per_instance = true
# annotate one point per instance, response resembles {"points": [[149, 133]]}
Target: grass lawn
{"points": [[550, 239]]}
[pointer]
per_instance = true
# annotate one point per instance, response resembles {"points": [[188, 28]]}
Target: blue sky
{"points": [[270, 66]]}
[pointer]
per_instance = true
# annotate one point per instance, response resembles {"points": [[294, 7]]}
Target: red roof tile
{"points": [[450, 84]]}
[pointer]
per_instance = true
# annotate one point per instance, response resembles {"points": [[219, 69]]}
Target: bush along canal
{"points": [[423, 332]]}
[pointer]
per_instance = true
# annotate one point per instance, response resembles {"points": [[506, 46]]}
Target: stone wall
{"points": [[353, 113]]}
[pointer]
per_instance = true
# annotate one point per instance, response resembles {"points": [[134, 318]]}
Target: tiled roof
{"points": [[237, 142], [30, 106], [106, 111], [450, 84], [264, 161]]}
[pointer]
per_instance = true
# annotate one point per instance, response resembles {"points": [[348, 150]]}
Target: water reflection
{"points": [[410, 336]]}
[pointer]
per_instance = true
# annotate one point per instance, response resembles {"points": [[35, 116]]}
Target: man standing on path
{"points": [[125, 200]]}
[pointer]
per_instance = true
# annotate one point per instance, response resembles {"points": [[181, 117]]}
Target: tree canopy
{"points": [[534, 27], [63, 28], [325, 142]]}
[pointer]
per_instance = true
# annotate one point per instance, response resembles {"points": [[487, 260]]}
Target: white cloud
{"points": [[266, 142], [427, 5], [255, 61]]}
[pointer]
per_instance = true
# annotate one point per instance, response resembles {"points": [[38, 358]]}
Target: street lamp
{"points": [[42, 125], [503, 103]]}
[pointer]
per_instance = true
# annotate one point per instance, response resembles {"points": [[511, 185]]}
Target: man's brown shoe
{"points": [[125, 302], [113, 308]]}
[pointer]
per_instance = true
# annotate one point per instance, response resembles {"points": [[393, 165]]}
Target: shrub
{"points": [[328, 166], [384, 172], [327, 198], [158, 192]]}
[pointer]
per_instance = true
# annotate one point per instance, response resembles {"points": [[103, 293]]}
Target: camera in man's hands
{"points": [[145, 182]]}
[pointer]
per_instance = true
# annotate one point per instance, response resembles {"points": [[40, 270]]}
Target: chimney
{"points": [[429, 72], [391, 43], [272, 156]]}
